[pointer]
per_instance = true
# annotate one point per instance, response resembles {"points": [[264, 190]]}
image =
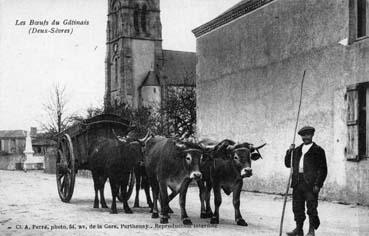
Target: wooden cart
{"points": [[75, 144]]}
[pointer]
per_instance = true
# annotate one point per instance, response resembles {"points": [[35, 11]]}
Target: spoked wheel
{"points": [[65, 168], [131, 184]]}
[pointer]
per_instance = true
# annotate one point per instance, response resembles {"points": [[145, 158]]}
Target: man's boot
{"points": [[311, 231], [298, 231]]}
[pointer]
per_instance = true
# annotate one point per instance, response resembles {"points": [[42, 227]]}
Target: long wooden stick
{"points": [[291, 168]]}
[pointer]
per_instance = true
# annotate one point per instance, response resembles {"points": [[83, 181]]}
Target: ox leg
{"points": [[217, 202], [138, 186], [209, 212], [236, 203], [126, 207], [202, 190], [146, 186], [171, 196], [155, 195], [182, 202], [96, 187], [101, 189], [147, 193], [114, 193], [163, 202]]}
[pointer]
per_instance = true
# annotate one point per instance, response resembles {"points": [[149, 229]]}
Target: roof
{"points": [[13, 134], [235, 6], [179, 68], [43, 142], [238, 10], [152, 79]]}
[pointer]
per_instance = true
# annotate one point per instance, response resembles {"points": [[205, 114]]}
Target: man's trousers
{"points": [[303, 193]]}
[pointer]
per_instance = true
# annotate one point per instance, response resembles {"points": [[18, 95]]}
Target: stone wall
{"points": [[11, 162], [50, 161], [143, 55]]}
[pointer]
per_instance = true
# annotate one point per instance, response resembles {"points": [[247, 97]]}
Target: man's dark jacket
{"points": [[315, 165]]}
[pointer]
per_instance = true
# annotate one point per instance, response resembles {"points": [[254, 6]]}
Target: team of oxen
{"points": [[160, 163]]}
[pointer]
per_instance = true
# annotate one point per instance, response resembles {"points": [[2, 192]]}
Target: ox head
{"points": [[191, 155], [143, 141], [241, 156], [208, 147], [138, 144]]}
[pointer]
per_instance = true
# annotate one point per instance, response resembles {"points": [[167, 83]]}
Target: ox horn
{"points": [[208, 146], [231, 147], [119, 138], [147, 136], [257, 148], [180, 145]]}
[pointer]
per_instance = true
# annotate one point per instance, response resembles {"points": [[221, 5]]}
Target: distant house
{"points": [[12, 141], [12, 146], [41, 145]]}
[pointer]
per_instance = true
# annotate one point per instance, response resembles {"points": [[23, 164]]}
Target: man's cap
{"points": [[306, 130]]}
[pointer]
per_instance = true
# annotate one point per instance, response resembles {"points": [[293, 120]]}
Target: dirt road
{"points": [[30, 205]]}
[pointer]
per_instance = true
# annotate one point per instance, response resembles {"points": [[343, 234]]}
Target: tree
{"points": [[90, 112], [55, 108], [143, 118], [176, 117], [180, 111], [94, 111]]}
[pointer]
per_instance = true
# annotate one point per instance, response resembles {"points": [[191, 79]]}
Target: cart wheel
{"points": [[131, 184], [65, 168]]}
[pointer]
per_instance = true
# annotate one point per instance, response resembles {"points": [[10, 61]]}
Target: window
{"points": [[361, 18], [116, 5], [116, 70], [115, 25], [357, 97], [37, 150], [13, 147], [115, 8], [358, 18], [109, 30], [135, 19], [143, 18]]}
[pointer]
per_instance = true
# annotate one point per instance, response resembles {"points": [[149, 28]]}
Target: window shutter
{"points": [[352, 148]]}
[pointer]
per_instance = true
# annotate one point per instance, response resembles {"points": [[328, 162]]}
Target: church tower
{"points": [[133, 48]]}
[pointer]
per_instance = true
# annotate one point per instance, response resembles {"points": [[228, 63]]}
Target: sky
{"points": [[31, 64]]}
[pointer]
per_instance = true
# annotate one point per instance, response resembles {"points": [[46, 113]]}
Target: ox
{"points": [[204, 183], [223, 166], [114, 159], [231, 163], [141, 178], [171, 163]]}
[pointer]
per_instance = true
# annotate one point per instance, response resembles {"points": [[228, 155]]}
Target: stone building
{"points": [[12, 147], [12, 141], [250, 65], [138, 70]]}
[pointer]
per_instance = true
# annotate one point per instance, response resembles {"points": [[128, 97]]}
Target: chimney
{"points": [[33, 131]]}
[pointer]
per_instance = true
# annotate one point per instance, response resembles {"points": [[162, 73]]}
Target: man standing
{"points": [[309, 172]]}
